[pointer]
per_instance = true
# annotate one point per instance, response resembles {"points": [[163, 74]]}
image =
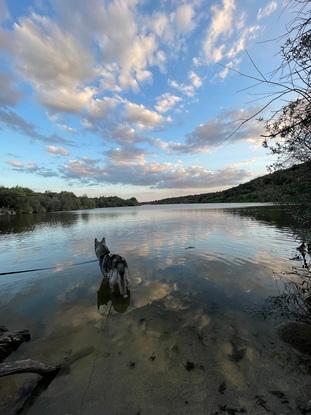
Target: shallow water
{"points": [[192, 338]]}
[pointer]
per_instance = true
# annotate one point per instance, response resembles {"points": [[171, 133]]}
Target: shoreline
{"points": [[5, 212]]}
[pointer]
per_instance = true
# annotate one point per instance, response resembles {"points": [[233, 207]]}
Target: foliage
{"points": [[289, 135], [286, 186], [24, 200], [288, 131]]}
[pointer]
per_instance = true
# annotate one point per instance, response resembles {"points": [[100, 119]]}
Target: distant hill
{"points": [[288, 185]]}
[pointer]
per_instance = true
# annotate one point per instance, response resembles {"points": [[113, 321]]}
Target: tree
{"points": [[288, 132]]}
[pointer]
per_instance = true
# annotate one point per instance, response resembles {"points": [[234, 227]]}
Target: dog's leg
{"points": [[113, 279], [126, 279], [122, 279], [121, 284]]}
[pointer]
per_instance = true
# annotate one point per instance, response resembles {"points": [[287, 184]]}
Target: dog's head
{"points": [[101, 249]]}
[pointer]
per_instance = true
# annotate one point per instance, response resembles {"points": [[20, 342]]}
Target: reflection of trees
{"points": [[294, 299], [289, 218], [27, 223]]}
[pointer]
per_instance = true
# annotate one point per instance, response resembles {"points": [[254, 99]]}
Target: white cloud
{"points": [[187, 88], [142, 116], [9, 94], [131, 49], [126, 135], [53, 61], [221, 25], [124, 47], [127, 156], [151, 174], [195, 79], [227, 36], [60, 63], [32, 168], [172, 28], [229, 66], [59, 151], [166, 102], [217, 131], [240, 44], [66, 128], [15, 163], [184, 18], [267, 10], [100, 107]]}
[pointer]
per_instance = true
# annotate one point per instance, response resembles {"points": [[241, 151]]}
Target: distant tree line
{"points": [[292, 185], [24, 200]]}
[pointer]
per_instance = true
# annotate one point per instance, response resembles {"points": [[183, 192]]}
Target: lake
{"points": [[195, 336]]}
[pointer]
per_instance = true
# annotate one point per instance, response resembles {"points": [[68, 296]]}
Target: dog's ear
{"points": [[104, 240]]}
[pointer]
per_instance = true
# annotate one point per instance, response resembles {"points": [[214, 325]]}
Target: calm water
{"points": [[192, 338]]}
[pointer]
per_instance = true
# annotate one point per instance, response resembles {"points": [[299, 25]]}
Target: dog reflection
{"points": [[105, 295]]}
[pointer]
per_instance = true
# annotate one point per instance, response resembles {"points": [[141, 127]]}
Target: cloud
{"points": [[101, 107], [267, 10], [221, 26], [125, 134], [15, 122], [54, 62], [227, 36], [142, 116], [172, 28], [195, 80], [127, 156], [151, 174], [184, 18], [217, 131], [31, 168], [130, 51], [166, 102], [239, 45], [229, 66], [66, 128], [9, 94], [4, 13], [59, 151], [189, 88]]}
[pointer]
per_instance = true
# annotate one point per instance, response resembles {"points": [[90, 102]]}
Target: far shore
{"points": [[12, 212]]}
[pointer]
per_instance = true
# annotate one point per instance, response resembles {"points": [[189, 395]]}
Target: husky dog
{"points": [[113, 267]]}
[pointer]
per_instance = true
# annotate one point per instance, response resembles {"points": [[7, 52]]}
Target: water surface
{"points": [[191, 340]]}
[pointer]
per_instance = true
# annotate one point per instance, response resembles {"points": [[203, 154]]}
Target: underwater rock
{"points": [[189, 365], [222, 387], [298, 335], [238, 352]]}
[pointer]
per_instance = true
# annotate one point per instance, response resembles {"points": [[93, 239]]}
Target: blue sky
{"points": [[133, 98]]}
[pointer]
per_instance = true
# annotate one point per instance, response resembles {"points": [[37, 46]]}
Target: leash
{"points": [[47, 268]]}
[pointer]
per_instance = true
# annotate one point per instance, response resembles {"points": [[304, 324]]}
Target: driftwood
{"points": [[10, 341], [26, 366]]}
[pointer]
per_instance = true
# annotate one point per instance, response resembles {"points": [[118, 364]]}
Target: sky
{"points": [[134, 97]]}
